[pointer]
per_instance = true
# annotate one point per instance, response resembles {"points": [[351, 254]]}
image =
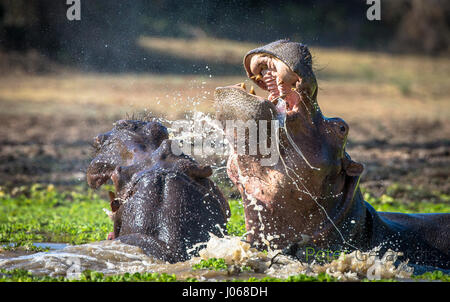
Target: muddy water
{"points": [[113, 257]]}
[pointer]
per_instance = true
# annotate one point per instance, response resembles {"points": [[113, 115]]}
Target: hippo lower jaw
{"points": [[122, 188]]}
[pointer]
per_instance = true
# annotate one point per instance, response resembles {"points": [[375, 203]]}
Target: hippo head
{"points": [[305, 192], [119, 153], [128, 142], [156, 190]]}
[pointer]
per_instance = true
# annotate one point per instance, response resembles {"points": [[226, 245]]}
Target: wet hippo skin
{"points": [[311, 196], [163, 203]]}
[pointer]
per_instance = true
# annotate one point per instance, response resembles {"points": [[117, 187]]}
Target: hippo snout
{"points": [[98, 173]]}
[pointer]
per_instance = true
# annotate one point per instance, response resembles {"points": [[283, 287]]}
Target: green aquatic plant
{"points": [[417, 201], [322, 277], [26, 246], [44, 214], [216, 264], [19, 275], [236, 223], [436, 275], [92, 276]]}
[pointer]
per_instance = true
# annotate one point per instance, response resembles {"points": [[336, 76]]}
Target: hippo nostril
{"points": [[99, 140]]}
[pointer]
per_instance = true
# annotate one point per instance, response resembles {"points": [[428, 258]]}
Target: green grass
{"points": [[211, 264], [87, 276], [406, 199], [236, 223], [44, 214]]}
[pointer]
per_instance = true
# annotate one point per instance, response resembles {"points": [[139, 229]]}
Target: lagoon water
{"points": [[114, 257]]}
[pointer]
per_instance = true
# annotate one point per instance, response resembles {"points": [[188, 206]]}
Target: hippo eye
{"points": [[342, 132], [339, 126]]}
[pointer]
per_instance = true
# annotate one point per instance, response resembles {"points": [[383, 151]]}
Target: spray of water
{"points": [[282, 116], [290, 172], [114, 257], [281, 108]]}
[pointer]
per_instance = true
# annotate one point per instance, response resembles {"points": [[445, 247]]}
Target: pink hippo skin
{"points": [[311, 196]]}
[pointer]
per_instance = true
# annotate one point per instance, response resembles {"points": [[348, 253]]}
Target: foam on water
{"points": [[348, 267]]}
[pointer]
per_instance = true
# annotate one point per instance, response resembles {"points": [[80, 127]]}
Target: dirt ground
{"points": [[399, 129]]}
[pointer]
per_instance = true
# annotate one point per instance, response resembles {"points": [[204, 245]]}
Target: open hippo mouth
{"points": [[310, 198], [284, 70], [287, 199]]}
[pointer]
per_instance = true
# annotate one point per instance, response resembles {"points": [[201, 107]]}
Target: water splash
{"points": [[281, 109]]}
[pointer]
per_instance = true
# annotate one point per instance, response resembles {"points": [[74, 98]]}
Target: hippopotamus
{"points": [[163, 203], [311, 196]]}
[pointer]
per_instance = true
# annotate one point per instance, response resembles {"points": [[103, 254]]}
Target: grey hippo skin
{"points": [[311, 196], [163, 203]]}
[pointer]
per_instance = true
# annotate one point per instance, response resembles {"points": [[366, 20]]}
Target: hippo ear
{"points": [[353, 171], [351, 167]]}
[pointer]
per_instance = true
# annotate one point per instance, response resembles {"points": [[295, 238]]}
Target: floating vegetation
{"points": [[44, 214]]}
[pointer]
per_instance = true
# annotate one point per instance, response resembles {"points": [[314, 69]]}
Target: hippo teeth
{"points": [[243, 87], [274, 76], [276, 88], [271, 81], [275, 85]]}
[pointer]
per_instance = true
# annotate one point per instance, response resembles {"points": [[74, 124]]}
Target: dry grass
{"points": [[227, 51], [398, 109], [410, 74], [353, 85]]}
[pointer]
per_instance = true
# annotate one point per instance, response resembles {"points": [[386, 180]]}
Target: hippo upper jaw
{"points": [[129, 142], [284, 69], [97, 176]]}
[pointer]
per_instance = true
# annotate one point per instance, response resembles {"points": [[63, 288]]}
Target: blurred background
{"points": [[62, 82]]}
